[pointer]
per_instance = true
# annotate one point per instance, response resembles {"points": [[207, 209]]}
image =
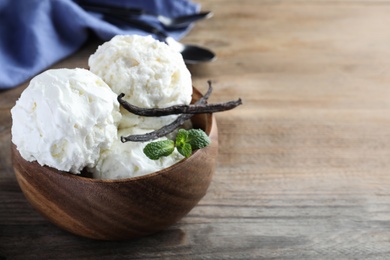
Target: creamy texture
{"points": [[64, 119], [147, 71], [125, 160], [151, 75], [70, 119]]}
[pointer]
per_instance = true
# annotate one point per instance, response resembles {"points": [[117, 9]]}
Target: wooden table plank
{"points": [[303, 169]]}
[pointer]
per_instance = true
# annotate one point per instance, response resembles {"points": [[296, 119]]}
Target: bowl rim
{"points": [[163, 171]]}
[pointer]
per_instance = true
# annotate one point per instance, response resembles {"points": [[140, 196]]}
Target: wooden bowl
{"points": [[120, 209]]}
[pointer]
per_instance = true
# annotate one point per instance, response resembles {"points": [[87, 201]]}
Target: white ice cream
{"points": [[125, 160], [70, 119], [151, 75], [64, 119], [148, 72]]}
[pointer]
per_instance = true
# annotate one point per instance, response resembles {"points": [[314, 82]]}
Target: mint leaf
{"points": [[155, 150], [185, 150], [181, 137], [185, 143], [198, 139], [183, 147]]}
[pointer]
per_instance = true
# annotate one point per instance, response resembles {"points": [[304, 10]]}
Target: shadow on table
{"points": [[46, 241]]}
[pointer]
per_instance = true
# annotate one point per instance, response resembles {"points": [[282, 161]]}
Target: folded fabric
{"points": [[35, 34]]}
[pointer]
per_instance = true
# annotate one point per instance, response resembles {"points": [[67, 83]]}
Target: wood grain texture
{"points": [[304, 165]]}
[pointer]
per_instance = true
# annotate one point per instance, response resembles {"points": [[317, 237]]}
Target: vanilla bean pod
{"points": [[179, 109], [206, 96], [158, 133], [201, 108], [168, 128]]}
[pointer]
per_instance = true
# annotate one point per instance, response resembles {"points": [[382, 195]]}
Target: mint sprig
{"points": [[197, 139], [185, 143], [155, 150]]}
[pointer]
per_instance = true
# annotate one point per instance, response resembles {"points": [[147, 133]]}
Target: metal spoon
{"points": [[168, 22], [182, 21], [192, 54]]}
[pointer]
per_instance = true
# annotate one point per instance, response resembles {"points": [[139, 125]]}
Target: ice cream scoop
{"points": [[125, 160], [148, 72], [64, 119]]}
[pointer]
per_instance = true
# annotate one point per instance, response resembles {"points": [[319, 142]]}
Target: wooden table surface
{"points": [[304, 165]]}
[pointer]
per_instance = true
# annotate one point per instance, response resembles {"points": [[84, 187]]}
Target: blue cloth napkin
{"points": [[35, 34]]}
